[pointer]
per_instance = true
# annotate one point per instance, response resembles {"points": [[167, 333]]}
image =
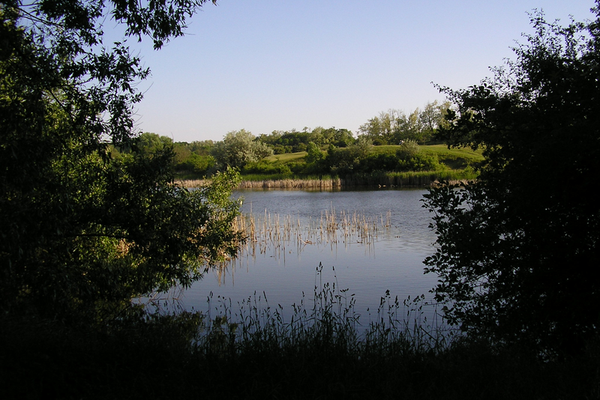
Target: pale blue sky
{"points": [[268, 65]]}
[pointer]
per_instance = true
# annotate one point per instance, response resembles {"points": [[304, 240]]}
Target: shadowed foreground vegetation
{"points": [[41, 360], [251, 351]]}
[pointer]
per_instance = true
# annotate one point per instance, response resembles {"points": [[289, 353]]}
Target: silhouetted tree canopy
{"points": [[83, 231], [518, 250]]}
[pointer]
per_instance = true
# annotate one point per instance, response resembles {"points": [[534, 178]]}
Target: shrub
{"points": [[419, 162], [408, 149], [265, 167]]}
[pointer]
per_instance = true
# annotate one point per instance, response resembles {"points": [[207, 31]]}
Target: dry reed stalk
{"points": [[193, 183], [272, 184], [274, 233], [393, 181]]}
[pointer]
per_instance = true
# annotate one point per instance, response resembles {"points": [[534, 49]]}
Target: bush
{"points": [[419, 162], [379, 162], [196, 164], [267, 168], [408, 149]]}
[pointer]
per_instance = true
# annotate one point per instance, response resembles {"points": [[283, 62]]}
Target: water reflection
{"points": [[378, 244]]}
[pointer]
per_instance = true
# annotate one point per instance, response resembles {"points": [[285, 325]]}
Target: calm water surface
{"points": [[389, 258]]}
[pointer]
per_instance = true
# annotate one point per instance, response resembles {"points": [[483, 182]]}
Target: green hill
{"points": [[452, 158], [382, 166]]}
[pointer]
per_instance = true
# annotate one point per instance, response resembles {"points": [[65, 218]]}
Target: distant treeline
{"points": [[390, 127], [328, 150]]}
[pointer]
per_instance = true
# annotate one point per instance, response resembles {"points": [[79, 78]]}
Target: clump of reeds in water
{"points": [[349, 226], [326, 322], [281, 234], [330, 183], [380, 180]]}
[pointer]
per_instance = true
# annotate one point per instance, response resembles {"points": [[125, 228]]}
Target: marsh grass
{"points": [[251, 351], [276, 181], [280, 235], [411, 179], [325, 321], [281, 182]]}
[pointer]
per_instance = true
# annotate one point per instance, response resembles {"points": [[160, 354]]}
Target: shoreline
{"points": [[331, 184]]}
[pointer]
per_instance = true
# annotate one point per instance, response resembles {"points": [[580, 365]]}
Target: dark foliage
{"points": [[518, 250], [83, 231], [140, 361]]}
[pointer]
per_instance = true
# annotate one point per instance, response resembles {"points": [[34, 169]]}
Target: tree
{"points": [[517, 251], [432, 118], [347, 160], [239, 148], [384, 128], [202, 148], [337, 137], [149, 143], [84, 231], [394, 126], [314, 153]]}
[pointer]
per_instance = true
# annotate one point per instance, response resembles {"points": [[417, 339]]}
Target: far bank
{"points": [[376, 180]]}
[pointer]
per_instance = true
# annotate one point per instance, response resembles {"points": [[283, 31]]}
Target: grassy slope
{"points": [[287, 157], [453, 158], [456, 161]]}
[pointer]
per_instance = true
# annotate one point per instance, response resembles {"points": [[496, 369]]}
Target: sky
{"points": [[267, 65]]}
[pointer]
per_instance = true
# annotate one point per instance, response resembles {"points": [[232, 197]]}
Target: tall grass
{"points": [[412, 179], [250, 351], [326, 350], [326, 321]]}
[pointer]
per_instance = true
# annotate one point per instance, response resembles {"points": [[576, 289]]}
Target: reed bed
{"points": [[375, 180], [412, 179], [326, 350], [330, 183], [333, 183], [281, 234], [255, 353]]}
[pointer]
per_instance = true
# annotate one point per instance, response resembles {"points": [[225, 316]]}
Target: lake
{"points": [[369, 242]]}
